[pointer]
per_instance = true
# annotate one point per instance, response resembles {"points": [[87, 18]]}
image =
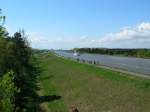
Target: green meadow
{"points": [[67, 83]]}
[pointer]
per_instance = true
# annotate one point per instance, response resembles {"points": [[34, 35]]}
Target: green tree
{"points": [[16, 55], [7, 91]]}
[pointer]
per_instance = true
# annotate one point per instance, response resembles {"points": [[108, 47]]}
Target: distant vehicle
{"points": [[76, 54]]}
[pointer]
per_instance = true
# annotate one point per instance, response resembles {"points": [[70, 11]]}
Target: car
{"points": [[76, 54]]}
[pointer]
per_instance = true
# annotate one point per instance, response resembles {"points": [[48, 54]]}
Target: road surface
{"points": [[130, 64]]}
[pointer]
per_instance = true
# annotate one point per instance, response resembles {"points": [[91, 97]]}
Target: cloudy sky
{"points": [[80, 23]]}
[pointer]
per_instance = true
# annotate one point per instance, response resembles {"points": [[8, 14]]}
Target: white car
{"points": [[76, 54]]}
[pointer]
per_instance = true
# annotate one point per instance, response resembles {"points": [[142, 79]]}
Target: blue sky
{"points": [[80, 23]]}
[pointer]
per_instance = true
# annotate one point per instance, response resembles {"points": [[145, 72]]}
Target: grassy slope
{"points": [[92, 89]]}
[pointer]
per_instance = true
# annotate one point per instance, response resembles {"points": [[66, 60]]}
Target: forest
{"points": [[141, 53]]}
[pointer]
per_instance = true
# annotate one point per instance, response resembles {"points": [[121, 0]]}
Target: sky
{"points": [[66, 24]]}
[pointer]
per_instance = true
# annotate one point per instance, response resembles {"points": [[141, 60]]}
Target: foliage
{"points": [[2, 18], [7, 91], [144, 53], [16, 55]]}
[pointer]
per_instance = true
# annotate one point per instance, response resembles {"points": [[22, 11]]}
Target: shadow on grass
{"points": [[47, 77], [48, 98]]}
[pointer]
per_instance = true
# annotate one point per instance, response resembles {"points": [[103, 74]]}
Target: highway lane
{"points": [[136, 65]]}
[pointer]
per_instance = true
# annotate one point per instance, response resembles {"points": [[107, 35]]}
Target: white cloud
{"points": [[128, 37], [136, 36]]}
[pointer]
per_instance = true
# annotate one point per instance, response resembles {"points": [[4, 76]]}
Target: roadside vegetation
{"points": [[89, 88], [141, 53], [18, 73]]}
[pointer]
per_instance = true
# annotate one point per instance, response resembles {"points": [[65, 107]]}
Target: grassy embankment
{"points": [[91, 89]]}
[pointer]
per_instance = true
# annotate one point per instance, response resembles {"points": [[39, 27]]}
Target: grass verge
{"points": [[91, 89]]}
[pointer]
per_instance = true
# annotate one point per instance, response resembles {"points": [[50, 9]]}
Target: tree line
{"points": [[143, 53], [18, 72]]}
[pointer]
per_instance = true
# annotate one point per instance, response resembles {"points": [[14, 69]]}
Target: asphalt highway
{"points": [[136, 65]]}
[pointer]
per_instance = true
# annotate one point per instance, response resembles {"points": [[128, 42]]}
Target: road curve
{"points": [[136, 65]]}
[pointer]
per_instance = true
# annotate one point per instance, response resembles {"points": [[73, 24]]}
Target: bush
{"points": [[7, 92]]}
